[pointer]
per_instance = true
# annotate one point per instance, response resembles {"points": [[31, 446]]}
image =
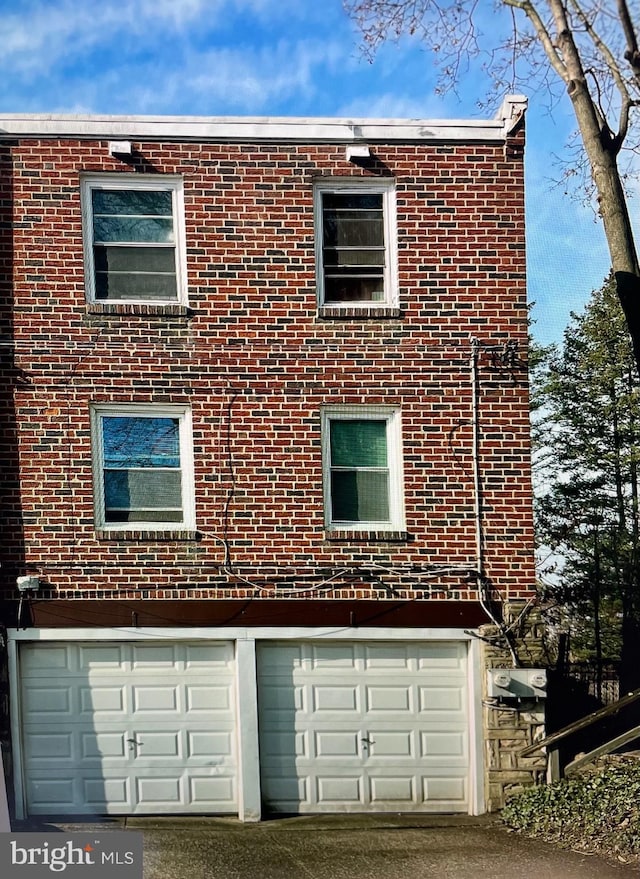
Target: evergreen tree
{"points": [[587, 443]]}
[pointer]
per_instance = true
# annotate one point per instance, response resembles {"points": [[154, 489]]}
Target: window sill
{"points": [[333, 312], [132, 535], [345, 535], [138, 308]]}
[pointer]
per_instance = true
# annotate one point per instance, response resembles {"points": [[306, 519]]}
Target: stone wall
{"points": [[510, 727]]}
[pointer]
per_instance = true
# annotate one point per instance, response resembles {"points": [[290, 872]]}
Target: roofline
{"points": [[285, 129]]}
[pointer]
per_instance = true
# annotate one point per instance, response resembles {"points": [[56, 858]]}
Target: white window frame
{"points": [[183, 414], [349, 186], [173, 184], [392, 416]]}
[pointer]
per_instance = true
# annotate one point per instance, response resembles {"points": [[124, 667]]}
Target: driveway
{"points": [[349, 847]]}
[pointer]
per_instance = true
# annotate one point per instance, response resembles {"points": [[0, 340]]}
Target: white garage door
{"points": [[364, 727], [128, 728]]}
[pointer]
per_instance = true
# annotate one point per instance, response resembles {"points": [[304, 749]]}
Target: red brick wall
{"points": [[255, 363]]}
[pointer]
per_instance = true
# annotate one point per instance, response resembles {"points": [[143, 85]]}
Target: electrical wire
{"points": [[502, 356]]}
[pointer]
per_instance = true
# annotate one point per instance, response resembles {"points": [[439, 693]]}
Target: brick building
{"points": [[265, 458]]}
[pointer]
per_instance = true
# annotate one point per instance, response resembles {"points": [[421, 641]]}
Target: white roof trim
{"points": [[280, 129]]}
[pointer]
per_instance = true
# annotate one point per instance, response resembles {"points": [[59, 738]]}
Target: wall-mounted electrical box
{"points": [[28, 584], [357, 152], [120, 148], [517, 683]]}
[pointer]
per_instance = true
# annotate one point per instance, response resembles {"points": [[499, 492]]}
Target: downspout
{"points": [[477, 490]]}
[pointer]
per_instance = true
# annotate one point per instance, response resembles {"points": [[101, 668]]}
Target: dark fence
{"points": [[601, 683]]}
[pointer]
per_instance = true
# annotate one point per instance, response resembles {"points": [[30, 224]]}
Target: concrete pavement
{"points": [[348, 847]]}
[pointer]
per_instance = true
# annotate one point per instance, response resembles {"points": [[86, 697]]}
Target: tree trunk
{"points": [[628, 289], [597, 629], [630, 654], [612, 205], [617, 459], [602, 149]]}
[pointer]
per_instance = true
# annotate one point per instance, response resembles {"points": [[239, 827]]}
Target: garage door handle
{"points": [[366, 742], [134, 744]]}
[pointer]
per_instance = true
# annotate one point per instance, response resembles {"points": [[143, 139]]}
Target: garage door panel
{"points": [[100, 698], [278, 696], [208, 792], [334, 697], [156, 698], [284, 743], [445, 790], [442, 656], [395, 789], [336, 744], [156, 656], [285, 791], [107, 796], [339, 789], [207, 744], [211, 656], [444, 744], [441, 698], [49, 701], [97, 657], [389, 698], [281, 659], [158, 793], [379, 721], [333, 657], [45, 663], [208, 698], [66, 749], [43, 745], [392, 744], [131, 733], [158, 744], [103, 745], [382, 657], [51, 792]]}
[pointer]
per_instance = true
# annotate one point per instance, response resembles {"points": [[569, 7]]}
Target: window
{"points": [[134, 236], [356, 243], [362, 468], [143, 467]]}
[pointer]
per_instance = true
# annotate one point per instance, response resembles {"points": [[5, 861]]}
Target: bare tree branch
{"points": [[582, 44], [614, 69], [543, 35], [632, 55]]}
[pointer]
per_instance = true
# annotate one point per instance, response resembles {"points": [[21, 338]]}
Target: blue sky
{"points": [[282, 58]]}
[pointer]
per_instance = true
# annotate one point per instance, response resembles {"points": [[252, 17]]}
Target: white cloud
{"points": [[239, 79], [252, 78], [400, 106], [42, 33], [209, 81], [35, 38], [178, 56]]}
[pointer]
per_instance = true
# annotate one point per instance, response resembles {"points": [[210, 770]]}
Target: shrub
{"points": [[598, 810]]}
